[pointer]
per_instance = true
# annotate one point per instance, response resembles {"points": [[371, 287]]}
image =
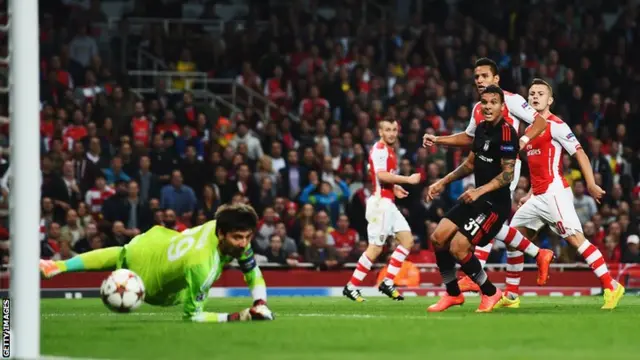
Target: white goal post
{"points": [[24, 194]]}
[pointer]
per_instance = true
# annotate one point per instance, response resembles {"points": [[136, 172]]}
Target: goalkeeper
{"points": [[179, 268]]}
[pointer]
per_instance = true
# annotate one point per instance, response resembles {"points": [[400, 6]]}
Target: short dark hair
{"points": [[493, 89], [538, 81], [487, 62], [388, 119], [236, 217]]}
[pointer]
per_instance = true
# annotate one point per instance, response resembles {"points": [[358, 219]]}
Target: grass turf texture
{"points": [[547, 328]]}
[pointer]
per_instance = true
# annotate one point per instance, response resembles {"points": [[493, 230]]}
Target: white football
{"points": [[122, 291]]}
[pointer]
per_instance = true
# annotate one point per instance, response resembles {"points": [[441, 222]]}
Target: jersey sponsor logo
{"points": [[486, 145], [485, 159], [506, 147], [534, 152], [571, 136]]}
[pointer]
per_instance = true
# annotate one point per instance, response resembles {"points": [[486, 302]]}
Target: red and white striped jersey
{"points": [[516, 109], [544, 153], [382, 158], [95, 197]]}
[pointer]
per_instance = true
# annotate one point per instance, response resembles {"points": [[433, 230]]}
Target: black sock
{"points": [[447, 266], [474, 270]]}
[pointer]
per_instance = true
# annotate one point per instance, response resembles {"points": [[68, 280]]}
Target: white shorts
{"points": [[553, 208], [384, 220]]}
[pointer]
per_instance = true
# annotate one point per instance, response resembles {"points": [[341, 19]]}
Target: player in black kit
{"points": [[480, 212]]}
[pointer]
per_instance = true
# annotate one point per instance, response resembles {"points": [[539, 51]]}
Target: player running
{"points": [[550, 200], [383, 216], [516, 109], [181, 267], [480, 212]]}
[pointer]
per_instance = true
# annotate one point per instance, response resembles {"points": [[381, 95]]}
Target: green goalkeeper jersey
{"points": [[181, 267]]}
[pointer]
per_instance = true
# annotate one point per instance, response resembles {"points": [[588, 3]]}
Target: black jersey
{"points": [[491, 144]]}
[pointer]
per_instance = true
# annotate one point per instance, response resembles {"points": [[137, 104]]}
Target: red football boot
{"points": [[446, 302]]}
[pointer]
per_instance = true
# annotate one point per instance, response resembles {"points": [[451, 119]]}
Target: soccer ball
{"points": [[122, 291]]}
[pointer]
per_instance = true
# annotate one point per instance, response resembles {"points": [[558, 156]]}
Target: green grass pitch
{"points": [[546, 328]]}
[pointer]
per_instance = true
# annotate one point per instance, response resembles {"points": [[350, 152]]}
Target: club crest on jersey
{"points": [[486, 145]]}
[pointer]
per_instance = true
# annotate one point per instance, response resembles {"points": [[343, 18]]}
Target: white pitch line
{"points": [[45, 357], [285, 315]]}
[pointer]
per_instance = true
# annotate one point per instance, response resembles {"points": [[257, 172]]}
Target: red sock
{"points": [[361, 271], [594, 258], [515, 265], [516, 240], [482, 253], [395, 263]]}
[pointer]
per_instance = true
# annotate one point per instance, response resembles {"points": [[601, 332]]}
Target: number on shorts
{"points": [[178, 248], [561, 228], [472, 227]]}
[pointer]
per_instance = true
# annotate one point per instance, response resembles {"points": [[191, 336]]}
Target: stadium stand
{"points": [[158, 114]]}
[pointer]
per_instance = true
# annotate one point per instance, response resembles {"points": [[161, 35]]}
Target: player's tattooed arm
{"points": [[503, 179], [461, 171]]}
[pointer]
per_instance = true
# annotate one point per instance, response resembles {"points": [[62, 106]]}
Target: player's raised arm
{"points": [[520, 108], [461, 171], [460, 140]]}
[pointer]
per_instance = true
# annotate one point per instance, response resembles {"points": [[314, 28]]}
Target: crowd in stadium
{"points": [[114, 165]]}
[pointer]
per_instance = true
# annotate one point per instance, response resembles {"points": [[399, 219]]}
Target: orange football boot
{"points": [[446, 302], [467, 285], [487, 303], [49, 269], [544, 259]]}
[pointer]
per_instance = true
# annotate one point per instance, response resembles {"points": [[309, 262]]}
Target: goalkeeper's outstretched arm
{"points": [[253, 277]]}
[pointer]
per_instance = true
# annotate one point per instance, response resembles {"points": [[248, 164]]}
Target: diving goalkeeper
{"points": [[179, 268]]}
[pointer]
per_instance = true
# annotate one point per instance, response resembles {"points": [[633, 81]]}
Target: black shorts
{"points": [[479, 221]]}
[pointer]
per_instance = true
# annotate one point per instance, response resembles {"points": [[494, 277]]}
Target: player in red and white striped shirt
{"points": [[383, 216], [516, 109], [96, 196], [550, 201]]}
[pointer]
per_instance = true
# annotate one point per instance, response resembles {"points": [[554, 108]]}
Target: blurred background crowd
{"points": [[157, 112]]}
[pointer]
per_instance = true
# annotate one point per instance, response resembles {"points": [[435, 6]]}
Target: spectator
{"points": [[115, 173], [632, 253], [276, 253], [149, 183], [319, 253], [288, 244], [178, 197], [345, 237], [266, 228], [244, 137], [584, 204], [83, 47], [73, 230], [65, 252], [97, 195], [326, 199], [170, 221], [209, 203]]}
